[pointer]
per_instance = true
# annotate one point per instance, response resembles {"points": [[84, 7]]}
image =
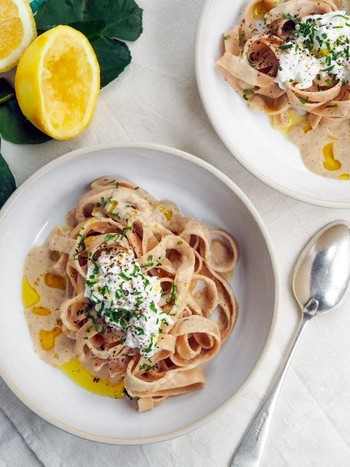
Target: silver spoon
{"points": [[320, 280]]}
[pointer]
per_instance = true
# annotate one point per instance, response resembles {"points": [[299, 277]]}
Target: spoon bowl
{"points": [[322, 272]]}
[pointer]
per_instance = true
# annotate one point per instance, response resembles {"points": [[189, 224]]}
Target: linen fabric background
{"points": [[156, 101]]}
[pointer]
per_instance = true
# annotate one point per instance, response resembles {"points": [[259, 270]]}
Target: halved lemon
{"points": [[17, 31], [57, 82]]}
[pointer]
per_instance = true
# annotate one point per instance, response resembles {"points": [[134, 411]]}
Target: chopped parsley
{"points": [[246, 93], [172, 295], [293, 18], [286, 46]]}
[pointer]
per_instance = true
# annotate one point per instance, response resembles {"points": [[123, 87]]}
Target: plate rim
{"points": [[231, 146], [166, 151]]}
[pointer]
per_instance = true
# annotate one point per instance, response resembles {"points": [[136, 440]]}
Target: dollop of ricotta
{"points": [[126, 298], [297, 65], [319, 50]]}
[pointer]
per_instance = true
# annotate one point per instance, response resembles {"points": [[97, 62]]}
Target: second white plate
{"points": [[263, 151]]}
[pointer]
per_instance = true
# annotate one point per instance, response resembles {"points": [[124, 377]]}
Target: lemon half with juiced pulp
{"points": [[58, 81], [17, 31]]}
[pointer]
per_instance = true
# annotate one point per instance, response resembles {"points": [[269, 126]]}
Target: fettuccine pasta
{"points": [[292, 58], [147, 298]]}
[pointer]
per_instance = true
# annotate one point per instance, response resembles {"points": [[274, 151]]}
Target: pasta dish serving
{"points": [[291, 60], [131, 293]]}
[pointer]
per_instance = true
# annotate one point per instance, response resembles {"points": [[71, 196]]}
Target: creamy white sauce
{"points": [[37, 264], [312, 144], [321, 49], [126, 298]]}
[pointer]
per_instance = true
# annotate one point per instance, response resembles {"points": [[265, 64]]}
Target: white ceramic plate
{"points": [[249, 136], [201, 191]]}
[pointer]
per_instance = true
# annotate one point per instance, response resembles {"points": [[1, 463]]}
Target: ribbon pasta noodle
{"points": [[196, 310], [251, 64]]}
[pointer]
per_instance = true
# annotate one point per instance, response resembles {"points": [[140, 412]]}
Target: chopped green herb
{"points": [[285, 47], [246, 93], [146, 367], [107, 238], [293, 18], [124, 231], [172, 298]]}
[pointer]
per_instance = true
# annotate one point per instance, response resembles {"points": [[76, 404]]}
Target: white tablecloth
{"points": [[156, 100]]}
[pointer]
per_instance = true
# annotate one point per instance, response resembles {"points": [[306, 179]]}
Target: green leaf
{"points": [[113, 56], [124, 18], [14, 127], [89, 28], [117, 19], [52, 13], [6, 91], [7, 181], [34, 4], [103, 22]]}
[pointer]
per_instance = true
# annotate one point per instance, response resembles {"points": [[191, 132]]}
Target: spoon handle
{"points": [[249, 451]]}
